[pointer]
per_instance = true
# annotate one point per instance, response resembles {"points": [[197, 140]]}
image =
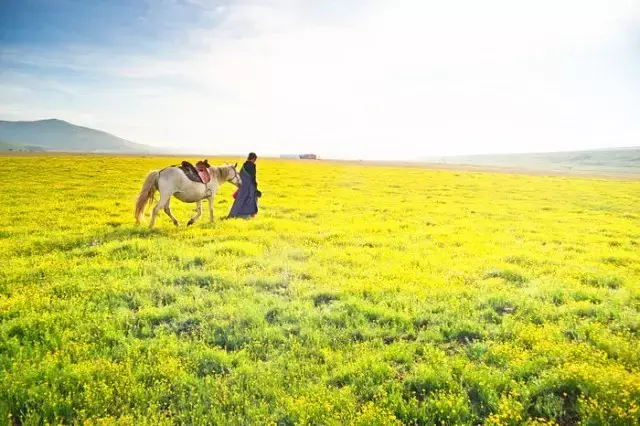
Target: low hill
{"points": [[610, 159], [59, 135], [5, 146]]}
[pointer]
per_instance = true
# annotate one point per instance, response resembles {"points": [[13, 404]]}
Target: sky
{"points": [[355, 79]]}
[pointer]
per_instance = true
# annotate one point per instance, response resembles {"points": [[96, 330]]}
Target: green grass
{"points": [[359, 295]]}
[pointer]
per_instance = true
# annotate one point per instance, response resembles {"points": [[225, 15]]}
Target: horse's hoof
{"points": [[190, 223]]}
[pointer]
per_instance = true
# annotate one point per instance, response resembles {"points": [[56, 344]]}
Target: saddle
{"points": [[197, 173]]}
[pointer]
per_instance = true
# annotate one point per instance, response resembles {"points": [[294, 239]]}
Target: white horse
{"points": [[172, 181]]}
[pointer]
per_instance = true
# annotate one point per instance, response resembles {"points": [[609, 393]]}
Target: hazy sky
{"points": [[342, 78]]}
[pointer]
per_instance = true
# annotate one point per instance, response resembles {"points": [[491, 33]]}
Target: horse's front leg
{"points": [[197, 215], [211, 209]]}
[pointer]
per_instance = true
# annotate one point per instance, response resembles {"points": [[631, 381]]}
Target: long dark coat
{"points": [[246, 202]]}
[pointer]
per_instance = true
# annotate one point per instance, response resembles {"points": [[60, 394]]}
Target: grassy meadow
{"points": [[360, 294]]}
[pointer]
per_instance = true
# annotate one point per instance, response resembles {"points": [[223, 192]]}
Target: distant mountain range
{"points": [[625, 159], [59, 135]]}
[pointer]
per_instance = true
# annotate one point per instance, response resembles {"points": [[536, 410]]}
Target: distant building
{"points": [[299, 156]]}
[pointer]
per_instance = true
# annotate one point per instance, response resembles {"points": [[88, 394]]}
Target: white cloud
{"points": [[383, 79]]}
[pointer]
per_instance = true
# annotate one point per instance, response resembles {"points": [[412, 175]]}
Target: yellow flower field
{"points": [[360, 294]]}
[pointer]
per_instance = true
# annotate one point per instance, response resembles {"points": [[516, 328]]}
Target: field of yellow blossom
{"points": [[360, 294]]}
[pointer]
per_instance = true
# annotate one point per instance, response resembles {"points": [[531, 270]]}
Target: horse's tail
{"points": [[146, 194]]}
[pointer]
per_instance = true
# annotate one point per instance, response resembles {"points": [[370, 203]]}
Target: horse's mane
{"points": [[220, 173]]}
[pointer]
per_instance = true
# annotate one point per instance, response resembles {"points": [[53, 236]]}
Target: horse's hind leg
{"points": [[211, 209], [164, 199], [197, 215], [167, 210]]}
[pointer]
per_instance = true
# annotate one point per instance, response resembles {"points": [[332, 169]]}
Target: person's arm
{"points": [[250, 168]]}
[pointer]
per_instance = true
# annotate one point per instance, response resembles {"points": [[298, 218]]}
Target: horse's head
{"points": [[233, 176]]}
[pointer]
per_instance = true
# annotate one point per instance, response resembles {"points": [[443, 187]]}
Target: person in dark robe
{"points": [[246, 198]]}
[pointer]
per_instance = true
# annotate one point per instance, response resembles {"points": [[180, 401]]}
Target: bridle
{"points": [[235, 174]]}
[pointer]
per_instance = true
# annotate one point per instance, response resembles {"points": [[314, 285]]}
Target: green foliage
{"points": [[359, 295]]}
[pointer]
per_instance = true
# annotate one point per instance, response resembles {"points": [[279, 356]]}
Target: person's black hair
{"points": [[252, 156]]}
